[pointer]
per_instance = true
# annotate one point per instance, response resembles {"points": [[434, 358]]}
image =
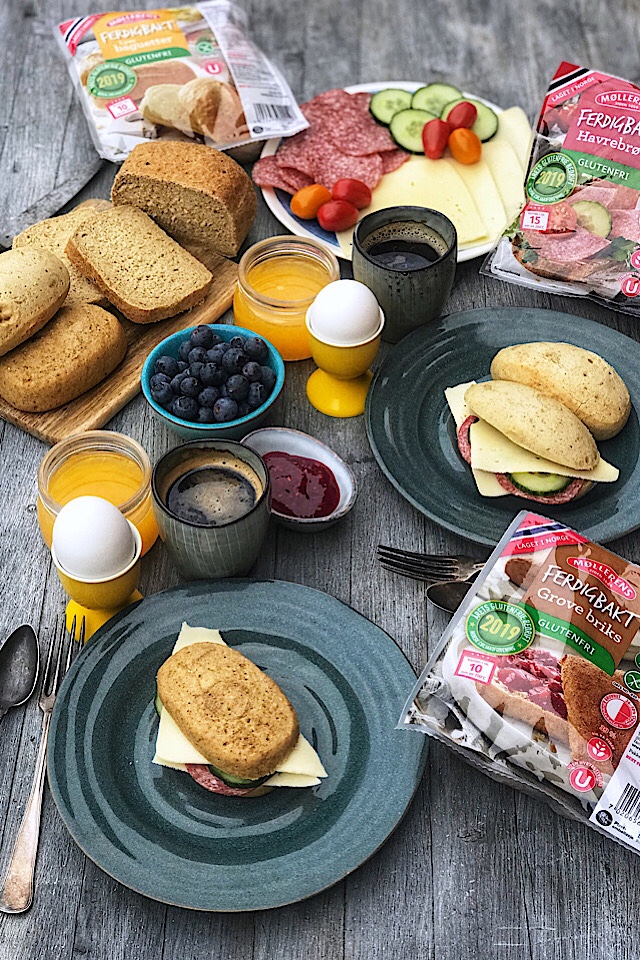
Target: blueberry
{"points": [[234, 359], [243, 408], [185, 407], [237, 387], [256, 349], [168, 365], [206, 415], [212, 375], [268, 378], [190, 387], [215, 354], [197, 355], [257, 395], [177, 380], [222, 389], [252, 371], [225, 410], [237, 342], [184, 349], [163, 395], [182, 366], [158, 379], [195, 369], [202, 336], [216, 339], [208, 396]]}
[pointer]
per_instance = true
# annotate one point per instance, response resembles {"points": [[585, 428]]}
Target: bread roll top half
{"points": [[578, 378], [231, 711], [538, 423]]}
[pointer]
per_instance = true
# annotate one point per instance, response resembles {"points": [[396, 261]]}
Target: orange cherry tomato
{"points": [[337, 215], [465, 145], [306, 202]]}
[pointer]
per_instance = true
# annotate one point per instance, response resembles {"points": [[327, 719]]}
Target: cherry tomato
{"points": [[465, 145], [463, 115], [435, 134], [337, 215], [562, 218], [566, 114], [306, 202], [353, 191]]}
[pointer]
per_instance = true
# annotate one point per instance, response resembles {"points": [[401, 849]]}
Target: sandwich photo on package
{"points": [[536, 679]]}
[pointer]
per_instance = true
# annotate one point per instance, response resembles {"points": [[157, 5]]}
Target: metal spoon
{"points": [[19, 662], [448, 594]]}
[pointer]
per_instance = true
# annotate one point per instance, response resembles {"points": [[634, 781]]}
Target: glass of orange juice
{"points": [[278, 280], [97, 463]]}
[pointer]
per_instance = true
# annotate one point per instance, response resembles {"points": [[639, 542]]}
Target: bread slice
{"points": [[53, 234], [538, 423], [515, 704], [33, 285], [231, 711], [579, 378], [75, 351], [143, 272], [194, 192]]}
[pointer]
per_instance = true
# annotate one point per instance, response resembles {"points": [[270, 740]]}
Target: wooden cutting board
{"points": [[94, 408]]}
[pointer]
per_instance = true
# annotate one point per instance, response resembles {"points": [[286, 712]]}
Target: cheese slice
{"points": [[487, 483], [514, 127], [301, 767], [482, 187], [508, 173]]}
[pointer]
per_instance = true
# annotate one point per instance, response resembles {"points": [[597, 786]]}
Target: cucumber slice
{"points": [[232, 781], [406, 128], [385, 104], [594, 217], [539, 483], [157, 702], [486, 123], [434, 97]]}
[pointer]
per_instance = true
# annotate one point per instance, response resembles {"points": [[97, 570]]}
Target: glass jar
{"points": [[278, 280], [97, 463]]}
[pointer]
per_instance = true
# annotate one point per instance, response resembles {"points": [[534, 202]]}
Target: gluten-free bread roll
{"points": [[75, 351], [33, 285], [580, 379]]}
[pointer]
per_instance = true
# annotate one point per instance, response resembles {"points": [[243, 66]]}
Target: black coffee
{"points": [[211, 496], [405, 245]]}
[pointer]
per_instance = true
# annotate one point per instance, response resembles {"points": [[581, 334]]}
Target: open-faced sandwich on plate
{"points": [[226, 723]]}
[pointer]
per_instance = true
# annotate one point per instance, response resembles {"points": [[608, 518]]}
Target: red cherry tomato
{"points": [[465, 145], [337, 215], [562, 218], [463, 115], [435, 134], [353, 191], [565, 115]]}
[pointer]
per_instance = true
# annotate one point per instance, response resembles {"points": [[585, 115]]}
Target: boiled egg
{"points": [[92, 540], [345, 313]]}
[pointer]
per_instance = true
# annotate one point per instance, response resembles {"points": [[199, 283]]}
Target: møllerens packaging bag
{"points": [[579, 231], [536, 680], [176, 73]]}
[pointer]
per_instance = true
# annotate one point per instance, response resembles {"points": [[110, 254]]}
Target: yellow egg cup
{"points": [[339, 387], [98, 600]]}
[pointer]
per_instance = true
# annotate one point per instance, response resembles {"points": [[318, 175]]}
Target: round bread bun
{"points": [[538, 423], [578, 378]]}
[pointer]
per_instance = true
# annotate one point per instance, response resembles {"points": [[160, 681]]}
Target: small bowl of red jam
{"points": [[311, 486]]}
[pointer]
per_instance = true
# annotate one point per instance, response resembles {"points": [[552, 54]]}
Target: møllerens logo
{"points": [[605, 574], [619, 98]]}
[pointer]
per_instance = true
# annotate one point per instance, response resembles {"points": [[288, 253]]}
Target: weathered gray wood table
{"points": [[475, 869]]}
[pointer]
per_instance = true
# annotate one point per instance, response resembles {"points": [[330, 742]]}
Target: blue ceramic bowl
{"points": [[234, 429]]}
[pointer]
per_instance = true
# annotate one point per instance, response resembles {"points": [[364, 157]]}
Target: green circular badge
{"points": [[204, 47], [552, 179], [497, 626], [632, 680], [111, 79]]}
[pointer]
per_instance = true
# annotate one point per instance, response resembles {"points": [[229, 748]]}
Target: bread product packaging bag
{"points": [[188, 72], [578, 233], [536, 679]]}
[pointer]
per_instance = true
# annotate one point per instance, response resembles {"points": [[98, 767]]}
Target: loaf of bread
{"points": [[33, 285], [141, 270], [204, 106], [580, 379], [75, 351], [53, 234], [194, 192]]}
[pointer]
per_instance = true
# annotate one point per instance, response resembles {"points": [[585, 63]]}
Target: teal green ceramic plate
{"points": [[412, 432], [156, 830]]}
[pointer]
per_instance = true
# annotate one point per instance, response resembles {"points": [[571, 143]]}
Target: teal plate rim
{"points": [[412, 434], [156, 830]]}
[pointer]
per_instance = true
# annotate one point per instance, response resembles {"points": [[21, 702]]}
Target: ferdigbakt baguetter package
{"points": [[182, 72], [579, 231], [536, 680]]}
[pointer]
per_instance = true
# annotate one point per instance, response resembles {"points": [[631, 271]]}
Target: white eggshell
{"points": [[345, 312], [92, 539]]}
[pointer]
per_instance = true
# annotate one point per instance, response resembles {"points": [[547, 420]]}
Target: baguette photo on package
{"points": [[536, 679]]}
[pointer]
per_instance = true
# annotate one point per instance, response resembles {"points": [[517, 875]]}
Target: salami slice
{"points": [[563, 496], [566, 247], [266, 173], [332, 165], [202, 775], [625, 223], [295, 178], [464, 444], [392, 159]]}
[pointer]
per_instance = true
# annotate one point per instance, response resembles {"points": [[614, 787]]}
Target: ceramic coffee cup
{"points": [[407, 257], [211, 500]]}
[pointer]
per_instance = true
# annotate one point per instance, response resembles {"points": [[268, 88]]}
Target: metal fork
{"points": [[17, 887], [428, 566]]}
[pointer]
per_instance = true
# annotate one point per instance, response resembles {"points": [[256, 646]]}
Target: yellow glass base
{"points": [[93, 619], [338, 398]]}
